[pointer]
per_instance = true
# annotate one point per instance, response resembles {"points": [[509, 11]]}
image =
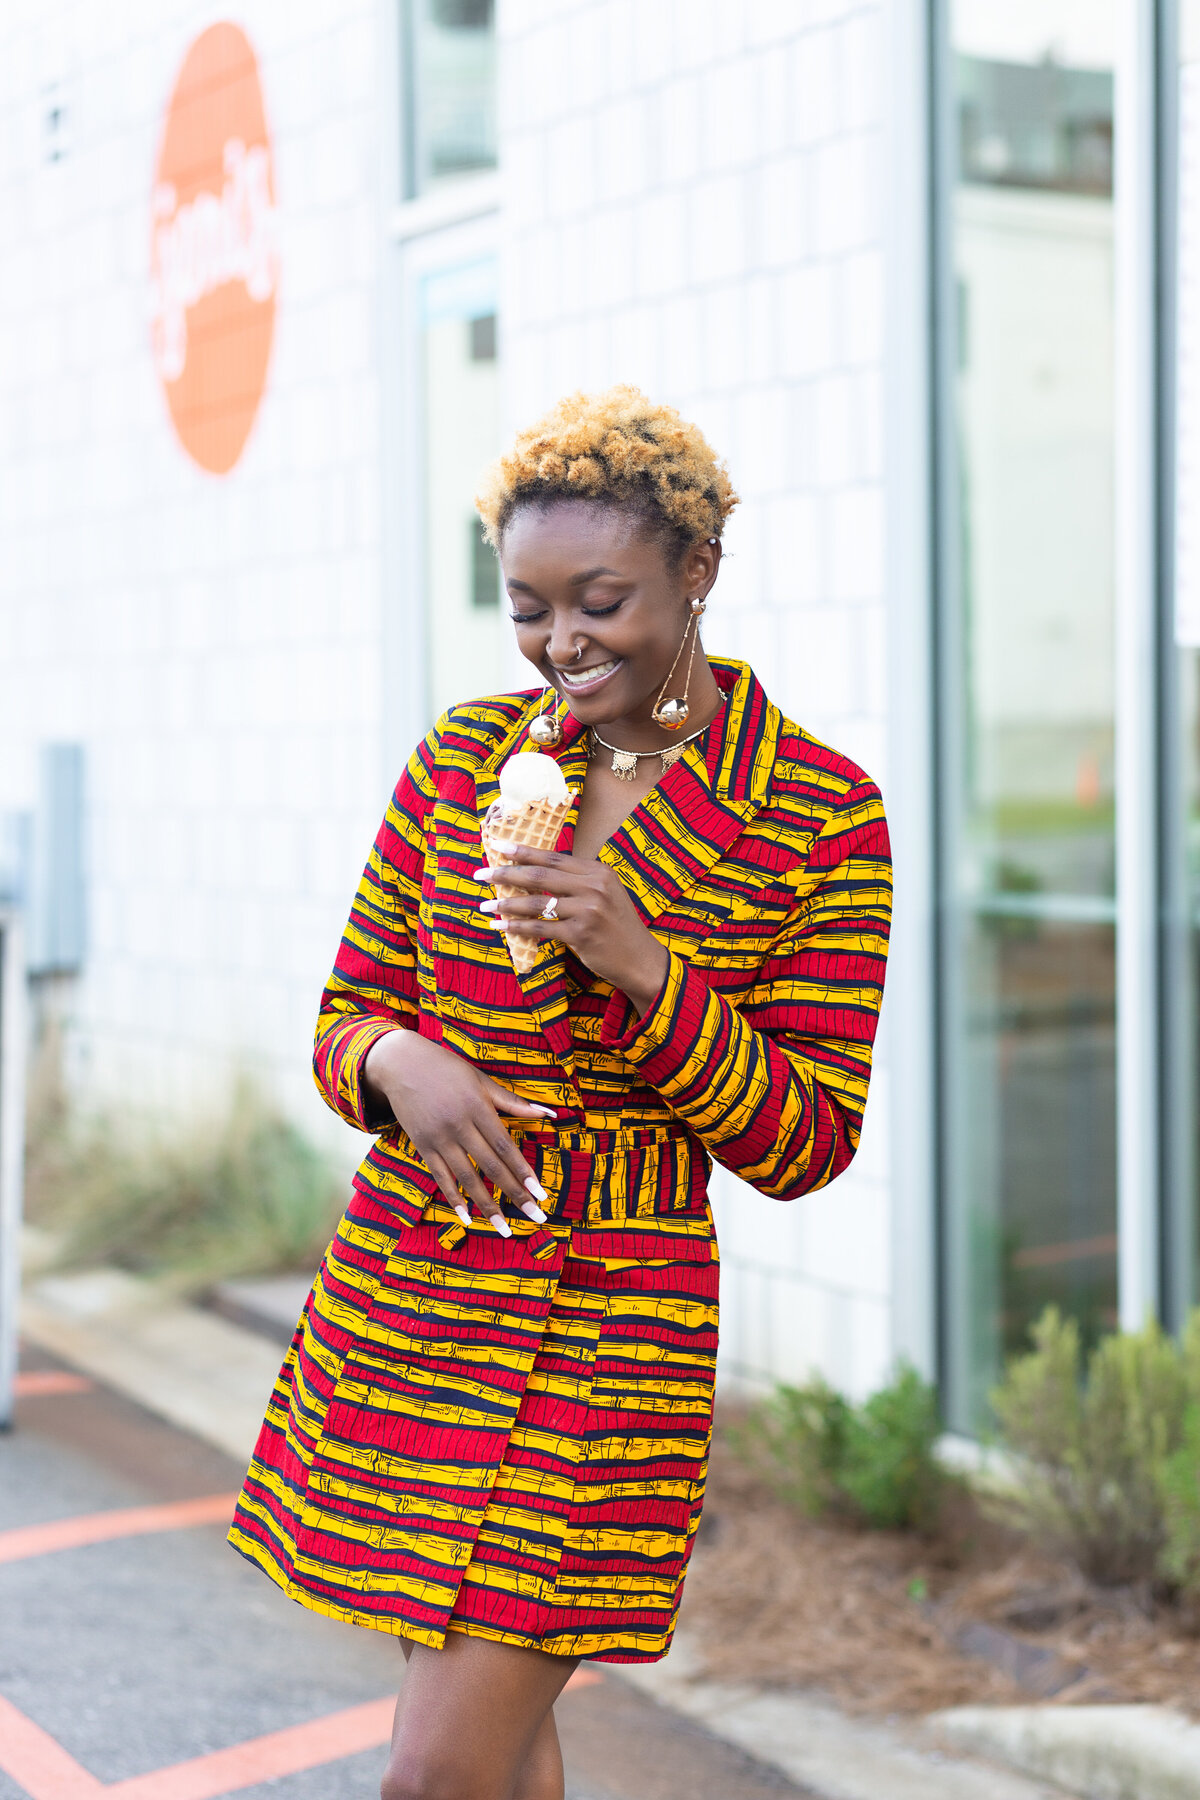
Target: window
{"points": [[450, 64], [467, 633], [1026, 678]]}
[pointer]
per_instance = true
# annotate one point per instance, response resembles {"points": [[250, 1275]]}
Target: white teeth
{"points": [[584, 677]]}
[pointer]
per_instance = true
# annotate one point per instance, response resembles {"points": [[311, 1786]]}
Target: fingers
{"points": [[498, 1160], [525, 858], [505, 1101], [516, 906], [548, 878], [464, 1178], [481, 1156]]}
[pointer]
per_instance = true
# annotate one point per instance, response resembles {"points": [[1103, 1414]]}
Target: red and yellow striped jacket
{"points": [[760, 861]]}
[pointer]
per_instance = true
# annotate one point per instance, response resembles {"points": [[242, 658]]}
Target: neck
{"points": [[639, 732]]}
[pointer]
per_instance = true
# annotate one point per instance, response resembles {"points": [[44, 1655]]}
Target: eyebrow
{"points": [[581, 580]]}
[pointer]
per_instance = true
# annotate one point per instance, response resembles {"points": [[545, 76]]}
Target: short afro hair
{"points": [[615, 448]]}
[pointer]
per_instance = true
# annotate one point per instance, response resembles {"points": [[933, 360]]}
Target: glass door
{"points": [[453, 432], [1026, 678]]}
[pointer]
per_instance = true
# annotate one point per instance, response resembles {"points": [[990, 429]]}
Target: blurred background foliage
{"points": [[239, 1192]]}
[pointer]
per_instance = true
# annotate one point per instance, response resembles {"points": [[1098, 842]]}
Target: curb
{"points": [[830, 1753], [1104, 1752], [202, 1373]]}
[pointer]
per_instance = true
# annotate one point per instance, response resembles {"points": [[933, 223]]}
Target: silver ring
{"points": [[550, 910]]}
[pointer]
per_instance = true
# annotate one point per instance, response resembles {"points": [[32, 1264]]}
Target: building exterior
{"points": [[280, 282]]}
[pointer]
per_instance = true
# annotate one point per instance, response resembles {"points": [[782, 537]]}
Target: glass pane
{"points": [[1029, 970], [451, 66], [461, 435], [1183, 774]]}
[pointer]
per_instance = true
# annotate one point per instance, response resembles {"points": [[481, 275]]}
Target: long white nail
{"points": [[463, 1214], [548, 1110], [488, 906], [533, 1211], [507, 849], [533, 1186], [501, 1225], [481, 875]]}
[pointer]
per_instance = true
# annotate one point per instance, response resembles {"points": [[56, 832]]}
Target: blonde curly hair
{"points": [[617, 447]]}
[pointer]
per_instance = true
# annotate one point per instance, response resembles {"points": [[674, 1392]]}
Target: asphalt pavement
{"points": [[142, 1659]]}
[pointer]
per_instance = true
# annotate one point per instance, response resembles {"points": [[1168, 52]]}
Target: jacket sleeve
{"points": [[775, 1083], [373, 987]]}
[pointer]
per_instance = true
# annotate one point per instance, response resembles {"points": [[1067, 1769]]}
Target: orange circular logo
{"points": [[214, 256]]}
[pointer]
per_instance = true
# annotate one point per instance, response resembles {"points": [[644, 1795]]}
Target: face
{"points": [[598, 610]]}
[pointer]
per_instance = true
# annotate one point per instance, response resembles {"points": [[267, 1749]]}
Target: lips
{"points": [[580, 681]]}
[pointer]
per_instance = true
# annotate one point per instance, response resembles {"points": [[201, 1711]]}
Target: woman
{"points": [[490, 1434]]}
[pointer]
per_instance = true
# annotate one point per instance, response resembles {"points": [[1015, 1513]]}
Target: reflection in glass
{"points": [[1027, 760], [1182, 989], [451, 100], [461, 411]]}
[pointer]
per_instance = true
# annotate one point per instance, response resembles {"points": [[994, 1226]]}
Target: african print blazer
{"points": [[760, 860]]}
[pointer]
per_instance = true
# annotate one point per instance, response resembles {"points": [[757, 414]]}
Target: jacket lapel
{"points": [[700, 807]]}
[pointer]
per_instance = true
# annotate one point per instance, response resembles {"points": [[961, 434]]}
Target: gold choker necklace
{"points": [[625, 762]]}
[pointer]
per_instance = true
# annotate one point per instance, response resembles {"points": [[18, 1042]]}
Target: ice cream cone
{"points": [[537, 826]]}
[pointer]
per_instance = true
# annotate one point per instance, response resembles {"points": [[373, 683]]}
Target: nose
{"points": [[564, 647]]}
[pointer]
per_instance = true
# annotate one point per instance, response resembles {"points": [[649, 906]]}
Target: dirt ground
{"points": [[891, 1623]]}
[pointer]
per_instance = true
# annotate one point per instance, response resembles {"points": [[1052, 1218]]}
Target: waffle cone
{"points": [[537, 827]]}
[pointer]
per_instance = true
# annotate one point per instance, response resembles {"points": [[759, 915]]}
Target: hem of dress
{"points": [[256, 1553], [587, 1648], [590, 1647]]}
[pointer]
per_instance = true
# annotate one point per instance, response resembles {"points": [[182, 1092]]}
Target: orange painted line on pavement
{"points": [[266, 1758], [39, 1764], [47, 1772], [584, 1676], [31, 1383], [96, 1528]]}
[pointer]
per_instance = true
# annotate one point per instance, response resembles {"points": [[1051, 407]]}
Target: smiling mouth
{"points": [[581, 679]]}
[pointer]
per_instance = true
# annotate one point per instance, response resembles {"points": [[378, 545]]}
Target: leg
{"points": [[474, 1722], [541, 1775]]}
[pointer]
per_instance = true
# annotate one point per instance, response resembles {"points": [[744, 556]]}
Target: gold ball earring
{"points": [[545, 729], [672, 714]]}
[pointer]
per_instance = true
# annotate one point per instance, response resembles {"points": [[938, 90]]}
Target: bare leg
{"points": [[474, 1722]]}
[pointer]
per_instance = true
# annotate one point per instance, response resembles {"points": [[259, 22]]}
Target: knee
{"points": [[403, 1782], [418, 1778]]}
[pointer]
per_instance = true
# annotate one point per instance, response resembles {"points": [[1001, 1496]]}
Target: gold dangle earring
{"points": [[545, 729], [672, 715]]}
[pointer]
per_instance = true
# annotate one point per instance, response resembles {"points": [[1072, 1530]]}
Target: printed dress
{"points": [[509, 1437]]}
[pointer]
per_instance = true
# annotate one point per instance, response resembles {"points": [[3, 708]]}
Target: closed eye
{"points": [[526, 618], [600, 612]]}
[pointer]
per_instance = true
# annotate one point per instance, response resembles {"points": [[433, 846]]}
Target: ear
{"points": [[700, 566]]}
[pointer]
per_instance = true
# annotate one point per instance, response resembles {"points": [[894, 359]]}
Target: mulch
{"points": [[890, 1622]]}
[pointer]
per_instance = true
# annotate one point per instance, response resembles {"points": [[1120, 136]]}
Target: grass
{"points": [[240, 1193]]}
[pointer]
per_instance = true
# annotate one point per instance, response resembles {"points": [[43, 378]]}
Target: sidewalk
{"points": [[140, 1659], [213, 1677]]}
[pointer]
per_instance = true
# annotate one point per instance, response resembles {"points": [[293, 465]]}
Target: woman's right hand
{"points": [[451, 1111]]}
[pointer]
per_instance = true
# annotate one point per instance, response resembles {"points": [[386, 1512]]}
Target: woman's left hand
{"points": [[593, 916]]}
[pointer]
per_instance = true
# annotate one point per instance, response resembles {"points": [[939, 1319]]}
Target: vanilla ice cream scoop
{"points": [[529, 778]]}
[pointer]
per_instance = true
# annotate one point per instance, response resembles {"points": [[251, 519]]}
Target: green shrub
{"points": [[874, 1463], [796, 1439], [1100, 1461], [890, 1473], [242, 1194]]}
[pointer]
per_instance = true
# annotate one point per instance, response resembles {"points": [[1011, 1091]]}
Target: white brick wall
{"points": [[693, 204], [212, 641]]}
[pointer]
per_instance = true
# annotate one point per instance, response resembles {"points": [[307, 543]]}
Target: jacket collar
{"points": [[675, 834]]}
